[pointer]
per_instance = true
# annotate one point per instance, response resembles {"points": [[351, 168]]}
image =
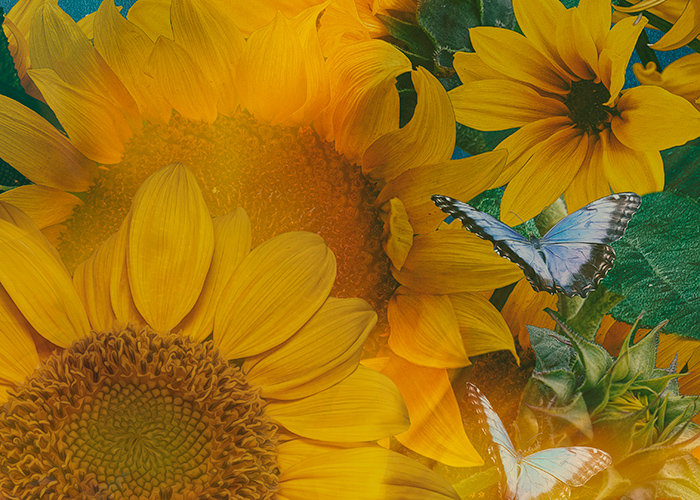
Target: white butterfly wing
{"points": [[573, 465], [602, 221], [535, 484], [506, 450]]}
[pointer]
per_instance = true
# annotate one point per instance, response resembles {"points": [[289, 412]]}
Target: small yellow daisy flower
{"points": [[684, 14], [561, 83]]}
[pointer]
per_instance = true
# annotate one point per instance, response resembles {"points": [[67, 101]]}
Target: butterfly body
{"points": [[544, 475], [572, 257]]}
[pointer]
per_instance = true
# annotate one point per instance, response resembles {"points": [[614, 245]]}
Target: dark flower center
{"points": [[135, 415], [586, 103]]}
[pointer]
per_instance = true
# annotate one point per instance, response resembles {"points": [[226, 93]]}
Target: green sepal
{"points": [[593, 357], [656, 385], [447, 22], [561, 382], [613, 433], [619, 388], [642, 355], [551, 350], [588, 318]]}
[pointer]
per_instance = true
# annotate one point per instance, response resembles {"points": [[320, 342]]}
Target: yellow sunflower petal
{"points": [[521, 144], [470, 67], [19, 48], [614, 58], [271, 75], [57, 43], [38, 151], [424, 330], [482, 327], [545, 177], [232, 241], [322, 353], [454, 261], [317, 86], [275, 290], [576, 46], [462, 179], [538, 21], [295, 450], [679, 77], [436, 428], [119, 291], [18, 356], [428, 138], [82, 114], [591, 181], [365, 406], [641, 172], [516, 57], [213, 40], [364, 100], [671, 345], [652, 119], [596, 17], [370, 473], [92, 282], [397, 236], [171, 242], [153, 17], [502, 104], [254, 14], [526, 307], [126, 48], [683, 31], [181, 81], [45, 205], [342, 24], [39, 286], [22, 12]]}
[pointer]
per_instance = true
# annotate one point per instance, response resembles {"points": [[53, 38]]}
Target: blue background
{"points": [[76, 8]]}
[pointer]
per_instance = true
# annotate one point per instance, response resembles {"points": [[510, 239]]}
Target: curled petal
{"points": [[153, 17], [428, 138], [397, 236], [45, 205], [526, 307], [92, 282], [683, 31]]}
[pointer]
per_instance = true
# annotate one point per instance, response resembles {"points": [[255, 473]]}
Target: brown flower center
{"points": [[135, 415], [586, 103], [287, 179]]}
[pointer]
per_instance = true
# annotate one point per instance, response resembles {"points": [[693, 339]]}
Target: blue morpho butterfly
{"points": [[544, 475], [572, 257]]}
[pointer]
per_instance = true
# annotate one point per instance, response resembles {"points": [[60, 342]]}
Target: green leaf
{"points": [[414, 41], [561, 382], [498, 13], [490, 202], [448, 22], [682, 166], [658, 265], [598, 303]]}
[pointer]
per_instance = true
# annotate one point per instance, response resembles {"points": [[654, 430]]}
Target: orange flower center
{"points": [[586, 103], [287, 179]]}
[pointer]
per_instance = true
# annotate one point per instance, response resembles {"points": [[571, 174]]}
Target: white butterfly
{"points": [[546, 474]]}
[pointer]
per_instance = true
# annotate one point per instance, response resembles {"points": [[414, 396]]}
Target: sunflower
{"points": [[273, 121], [132, 402], [561, 82], [683, 14], [679, 77]]}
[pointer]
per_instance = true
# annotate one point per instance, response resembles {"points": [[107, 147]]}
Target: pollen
{"points": [[135, 415]]}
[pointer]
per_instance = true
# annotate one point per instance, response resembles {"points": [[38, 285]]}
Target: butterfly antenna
{"points": [[521, 221]]}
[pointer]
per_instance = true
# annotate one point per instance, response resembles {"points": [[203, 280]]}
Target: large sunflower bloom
{"points": [[561, 82], [684, 14], [183, 83], [131, 404]]}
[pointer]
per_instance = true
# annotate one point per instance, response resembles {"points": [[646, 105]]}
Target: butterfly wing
{"points": [[577, 268], [602, 221], [507, 243], [506, 451], [535, 484], [573, 465]]}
